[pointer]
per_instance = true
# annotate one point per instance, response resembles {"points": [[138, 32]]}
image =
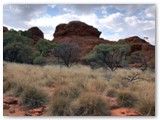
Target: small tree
{"points": [[109, 56], [139, 58], [67, 52], [112, 56]]}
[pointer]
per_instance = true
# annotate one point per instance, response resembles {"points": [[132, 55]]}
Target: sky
{"points": [[115, 21]]}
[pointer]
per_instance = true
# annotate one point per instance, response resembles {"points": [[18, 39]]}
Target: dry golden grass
{"points": [[72, 83]]}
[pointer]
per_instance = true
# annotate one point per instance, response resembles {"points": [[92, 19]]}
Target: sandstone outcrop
{"points": [[36, 33], [76, 28]]}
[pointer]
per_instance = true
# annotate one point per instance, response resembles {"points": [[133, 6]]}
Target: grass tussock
{"points": [[127, 99], [33, 97], [69, 91], [60, 106], [91, 104]]}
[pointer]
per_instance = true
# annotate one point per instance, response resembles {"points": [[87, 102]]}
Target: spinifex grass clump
{"points": [[90, 104], [33, 97], [126, 99]]}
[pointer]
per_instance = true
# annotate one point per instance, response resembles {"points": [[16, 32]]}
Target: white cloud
{"points": [[150, 12], [132, 21], [114, 26]]}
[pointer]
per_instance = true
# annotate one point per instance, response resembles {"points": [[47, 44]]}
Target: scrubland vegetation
{"points": [[79, 90]]}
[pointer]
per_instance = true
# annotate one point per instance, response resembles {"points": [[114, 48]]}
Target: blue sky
{"points": [[115, 21]]}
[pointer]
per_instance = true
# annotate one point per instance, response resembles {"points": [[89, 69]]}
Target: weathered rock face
{"points": [[5, 29], [36, 33], [76, 28]]}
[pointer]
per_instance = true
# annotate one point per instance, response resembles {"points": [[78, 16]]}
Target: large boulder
{"points": [[36, 33], [5, 29], [76, 28]]}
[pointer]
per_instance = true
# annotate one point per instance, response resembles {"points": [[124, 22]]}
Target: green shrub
{"points": [[90, 104], [39, 60], [60, 106], [33, 97], [126, 99], [17, 52]]}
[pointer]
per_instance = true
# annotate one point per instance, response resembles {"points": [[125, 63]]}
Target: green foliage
{"points": [[108, 56], [17, 52], [39, 60], [12, 37], [44, 46], [127, 99], [91, 60], [25, 33], [35, 54], [91, 104], [33, 97], [67, 52]]}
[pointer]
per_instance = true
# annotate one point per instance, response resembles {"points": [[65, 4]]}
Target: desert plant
{"points": [[126, 99], [90, 104], [33, 97], [60, 106]]}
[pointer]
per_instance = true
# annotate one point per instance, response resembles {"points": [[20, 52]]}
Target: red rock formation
{"points": [[87, 37], [5, 29], [76, 28], [36, 33], [138, 44]]}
